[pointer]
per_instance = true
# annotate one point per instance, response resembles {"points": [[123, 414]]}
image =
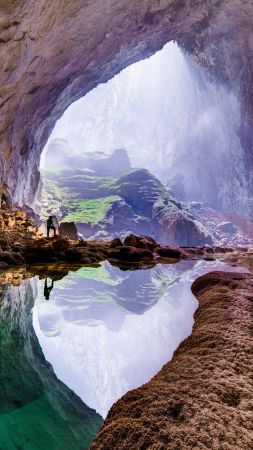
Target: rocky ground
{"points": [[203, 397], [22, 244]]}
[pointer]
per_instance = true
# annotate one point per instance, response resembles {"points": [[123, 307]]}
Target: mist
{"points": [[172, 121]]}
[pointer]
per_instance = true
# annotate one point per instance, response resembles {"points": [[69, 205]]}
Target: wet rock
{"points": [[116, 243], [86, 261], [130, 254], [11, 258], [169, 252], [208, 249], [140, 242], [3, 265], [4, 243], [82, 243], [73, 255], [209, 258], [41, 251], [68, 229], [60, 244], [60, 256]]}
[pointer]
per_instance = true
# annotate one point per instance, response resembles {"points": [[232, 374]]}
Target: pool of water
{"points": [[106, 331], [70, 348]]}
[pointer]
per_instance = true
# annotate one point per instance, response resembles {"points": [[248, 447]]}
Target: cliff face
{"points": [[55, 52]]}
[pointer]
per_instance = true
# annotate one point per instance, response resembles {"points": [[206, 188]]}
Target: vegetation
{"points": [[89, 211]]}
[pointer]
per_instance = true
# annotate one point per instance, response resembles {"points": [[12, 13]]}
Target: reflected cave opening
{"points": [[175, 133]]}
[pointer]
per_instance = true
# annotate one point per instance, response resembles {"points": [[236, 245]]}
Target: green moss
{"points": [[91, 211]]}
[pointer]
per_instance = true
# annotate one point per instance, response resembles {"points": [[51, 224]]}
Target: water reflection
{"points": [[106, 331], [37, 410], [48, 288]]}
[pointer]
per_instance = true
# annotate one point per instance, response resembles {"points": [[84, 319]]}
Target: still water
{"points": [[71, 348]]}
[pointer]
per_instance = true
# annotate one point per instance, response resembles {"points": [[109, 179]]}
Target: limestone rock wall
{"points": [[54, 52]]}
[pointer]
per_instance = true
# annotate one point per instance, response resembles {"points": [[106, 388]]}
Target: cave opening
{"points": [[174, 132]]}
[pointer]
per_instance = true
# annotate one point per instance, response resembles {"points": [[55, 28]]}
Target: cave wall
{"points": [[53, 53]]}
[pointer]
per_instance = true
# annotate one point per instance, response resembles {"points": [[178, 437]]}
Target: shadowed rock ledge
{"points": [[203, 397]]}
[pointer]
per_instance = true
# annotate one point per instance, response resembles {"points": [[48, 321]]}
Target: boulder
{"points": [[140, 242], [73, 255], [11, 258], [169, 252], [41, 251], [68, 229], [131, 254], [60, 244], [116, 243]]}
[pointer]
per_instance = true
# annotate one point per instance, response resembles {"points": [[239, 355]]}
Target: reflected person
{"points": [[48, 289]]}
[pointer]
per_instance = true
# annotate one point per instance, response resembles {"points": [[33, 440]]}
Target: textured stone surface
{"points": [[55, 52], [203, 397]]}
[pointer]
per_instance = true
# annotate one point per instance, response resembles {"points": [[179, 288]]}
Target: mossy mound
{"points": [[136, 202]]}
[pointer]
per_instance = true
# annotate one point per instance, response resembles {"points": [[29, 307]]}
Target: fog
{"points": [[172, 121]]}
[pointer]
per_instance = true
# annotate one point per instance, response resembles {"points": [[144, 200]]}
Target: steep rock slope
{"points": [[102, 206]]}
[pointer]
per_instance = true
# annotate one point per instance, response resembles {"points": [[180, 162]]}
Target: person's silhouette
{"points": [[50, 225], [48, 289]]}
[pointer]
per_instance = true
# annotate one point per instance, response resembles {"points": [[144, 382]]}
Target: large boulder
{"points": [[169, 252], [60, 244], [68, 229], [130, 254], [73, 255], [11, 258], [141, 242]]}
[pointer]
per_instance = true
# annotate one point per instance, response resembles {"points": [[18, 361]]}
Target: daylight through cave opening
{"points": [[161, 114]]}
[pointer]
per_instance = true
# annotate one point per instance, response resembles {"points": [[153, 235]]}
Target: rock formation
{"points": [[103, 202], [203, 397], [60, 155], [55, 52]]}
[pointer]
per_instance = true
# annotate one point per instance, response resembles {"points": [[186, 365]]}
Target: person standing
{"points": [[50, 226]]}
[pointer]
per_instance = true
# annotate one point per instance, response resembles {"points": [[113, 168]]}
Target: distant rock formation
{"points": [[60, 155], [104, 202], [103, 164]]}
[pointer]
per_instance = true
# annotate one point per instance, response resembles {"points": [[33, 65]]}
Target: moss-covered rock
{"points": [[136, 202]]}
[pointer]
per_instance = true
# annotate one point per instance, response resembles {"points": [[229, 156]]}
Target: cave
{"points": [[43, 74], [178, 220], [163, 115]]}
